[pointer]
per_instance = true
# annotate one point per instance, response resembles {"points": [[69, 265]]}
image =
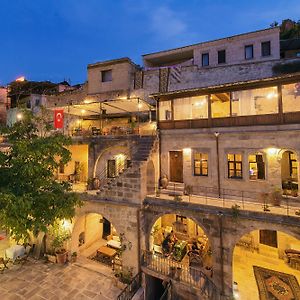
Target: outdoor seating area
{"points": [[179, 243]]}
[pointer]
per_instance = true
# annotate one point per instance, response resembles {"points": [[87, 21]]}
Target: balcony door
{"points": [[176, 166], [268, 237]]}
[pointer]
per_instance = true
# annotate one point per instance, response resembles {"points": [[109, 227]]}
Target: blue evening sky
{"points": [[55, 39]]}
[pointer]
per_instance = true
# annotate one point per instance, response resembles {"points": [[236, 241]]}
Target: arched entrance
{"points": [[94, 237], [266, 262], [289, 173], [181, 239]]}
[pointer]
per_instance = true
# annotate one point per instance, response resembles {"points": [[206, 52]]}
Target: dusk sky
{"points": [[56, 39]]}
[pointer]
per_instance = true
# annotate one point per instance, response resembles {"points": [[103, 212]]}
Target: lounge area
{"points": [[180, 239]]}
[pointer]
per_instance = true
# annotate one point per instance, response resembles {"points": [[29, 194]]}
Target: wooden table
{"points": [[104, 250]]}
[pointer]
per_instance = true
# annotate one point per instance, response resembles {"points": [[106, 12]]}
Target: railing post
{"points": [[243, 200]]}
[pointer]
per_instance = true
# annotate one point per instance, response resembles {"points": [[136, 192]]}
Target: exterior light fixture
{"points": [[19, 116], [66, 224], [83, 111], [272, 151], [271, 95], [187, 151], [140, 105]]}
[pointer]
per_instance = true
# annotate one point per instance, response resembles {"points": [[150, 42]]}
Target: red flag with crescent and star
{"points": [[58, 118]]}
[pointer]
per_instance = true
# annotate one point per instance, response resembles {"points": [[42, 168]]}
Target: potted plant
{"points": [[60, 235]]}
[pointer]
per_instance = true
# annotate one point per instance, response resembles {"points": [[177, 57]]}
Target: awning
{"points": [[108, 107]]}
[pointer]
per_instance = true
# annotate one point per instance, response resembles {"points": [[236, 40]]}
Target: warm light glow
{"points": [[140, 105], [271, 95], [83, 111], [19, 116], [187, 150], [87, 101], [272, 151], [199, 103], [120, 156], [20, 79], [66, 224]]}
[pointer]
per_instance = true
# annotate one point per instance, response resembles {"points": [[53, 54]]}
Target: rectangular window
{"points": [[266, 48], [256, 167], [291, 97], [106, 75], [191, 108], [235, 166], [205, 59], [293, 165], [249, 52], [200, 164], [252, 102], [220, 105], [111, 168], [165, 110], [221, 56]]}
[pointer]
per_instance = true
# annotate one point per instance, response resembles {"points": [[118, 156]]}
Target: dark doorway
{"points": [[176, 166], [154, 288], [106, 229], [268, 237]]}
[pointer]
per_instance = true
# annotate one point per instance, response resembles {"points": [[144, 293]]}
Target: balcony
{"points": [[172, 270], [228, 198]]}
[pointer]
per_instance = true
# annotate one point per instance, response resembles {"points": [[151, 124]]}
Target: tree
{"points": [[30, 197]]}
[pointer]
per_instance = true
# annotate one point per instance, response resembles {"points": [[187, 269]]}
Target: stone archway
{"points": [[257, 258], [171, 231], [150, 178]]}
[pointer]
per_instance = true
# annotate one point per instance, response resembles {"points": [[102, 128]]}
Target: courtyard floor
{"points": [[38, 280], [243, 262]]}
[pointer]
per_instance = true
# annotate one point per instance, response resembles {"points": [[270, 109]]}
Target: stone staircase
{"points": [[173, 189], [127, 183]]}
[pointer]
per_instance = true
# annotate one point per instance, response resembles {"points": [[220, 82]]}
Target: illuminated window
{"points": [[291, 97], [256, 167], [200, 164], [220, 105], [106, 75], [293, 165], [165, 110], [235, 166]]}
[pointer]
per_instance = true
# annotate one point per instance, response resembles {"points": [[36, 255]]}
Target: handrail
{"points": [[182, 273], [129, 291], [230, 198]]}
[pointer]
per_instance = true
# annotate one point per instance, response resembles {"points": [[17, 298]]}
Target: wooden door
{"points": [[268, 237], [106, 229], [176, 166]]}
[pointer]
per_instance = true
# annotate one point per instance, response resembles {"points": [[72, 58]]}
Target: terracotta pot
{"points": [[164, 181], [61, 258]]}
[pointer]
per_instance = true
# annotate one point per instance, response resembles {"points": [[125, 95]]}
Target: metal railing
{"points": [[179, 272], [129, 291], [266, 202]]}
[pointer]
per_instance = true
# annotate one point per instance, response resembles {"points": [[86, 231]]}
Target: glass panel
{"points": [[197, 164], [255, 102], [204, 172], [220, 105], [197, 156], [291, 97], [190, 108], [205, 156], [165, 110], [238, 157], [249, 52], [252, 158], [230, 157], [199, 107]]}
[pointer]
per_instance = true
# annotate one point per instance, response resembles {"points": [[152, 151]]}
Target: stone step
{"points": [[171, 192]]}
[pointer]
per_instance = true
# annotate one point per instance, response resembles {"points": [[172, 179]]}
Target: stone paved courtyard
{"points": [[39, 280]]}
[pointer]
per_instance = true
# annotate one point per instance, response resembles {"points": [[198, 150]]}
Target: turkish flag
{"points": [[59, 118]]}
